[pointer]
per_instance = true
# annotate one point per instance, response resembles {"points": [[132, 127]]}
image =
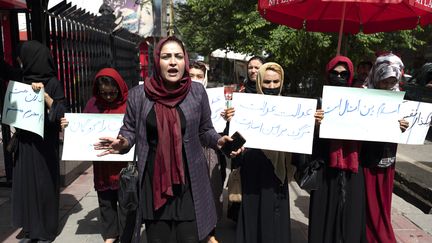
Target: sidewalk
{"points": [[79, 216]]}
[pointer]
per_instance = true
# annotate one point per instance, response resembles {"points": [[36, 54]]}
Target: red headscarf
{"points": [[168, 164], [343, 153], [98, 105], [342, 60]]}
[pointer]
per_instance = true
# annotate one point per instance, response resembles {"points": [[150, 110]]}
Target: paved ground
{"points": [[79, 216], [79, 213]]}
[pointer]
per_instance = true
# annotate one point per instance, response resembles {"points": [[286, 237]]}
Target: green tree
{"points": [[207, 25]]}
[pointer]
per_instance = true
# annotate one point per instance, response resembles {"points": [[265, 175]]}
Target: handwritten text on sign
{"points": [[23, 108], [84, 130], [274, 122], [217, 105], [419, 116], [361, 114]]}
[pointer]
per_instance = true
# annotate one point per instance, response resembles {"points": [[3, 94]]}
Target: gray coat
{"points": [[199, 132]]}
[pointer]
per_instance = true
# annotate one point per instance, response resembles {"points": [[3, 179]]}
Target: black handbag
{"points": [[129, 180], [12, 146], [128, 191], [308, 174]]}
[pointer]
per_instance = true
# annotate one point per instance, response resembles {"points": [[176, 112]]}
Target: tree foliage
{"points": [[207, 25]]}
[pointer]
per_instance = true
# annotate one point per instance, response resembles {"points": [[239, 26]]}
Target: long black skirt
{"points": [[337, 208], [264, 212], [35, 187]]}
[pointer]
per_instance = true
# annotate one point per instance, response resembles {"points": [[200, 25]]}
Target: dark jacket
{"points": [[199, 132]]}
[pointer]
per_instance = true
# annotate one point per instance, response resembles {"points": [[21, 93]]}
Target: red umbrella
{"points": [[347, 16]]}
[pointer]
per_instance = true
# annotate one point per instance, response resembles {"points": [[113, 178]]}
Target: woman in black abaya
{"points": [[35, 185]]}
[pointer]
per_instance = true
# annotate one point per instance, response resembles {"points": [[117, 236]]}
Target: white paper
{"points": [[23, 108], [217, 105], [361, 114], [274, 122], [84, 130], [419, 116]]}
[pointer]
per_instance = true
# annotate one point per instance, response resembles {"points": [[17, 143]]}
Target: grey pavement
{"points": [[79, 211]]}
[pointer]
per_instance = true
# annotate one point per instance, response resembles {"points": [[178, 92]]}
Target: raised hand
{"points": [[111, 145]]}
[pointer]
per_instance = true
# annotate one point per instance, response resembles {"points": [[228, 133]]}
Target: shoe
{"points": [[23, 235]]}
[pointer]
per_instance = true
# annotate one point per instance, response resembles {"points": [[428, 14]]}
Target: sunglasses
{"points": [[343, 74]]}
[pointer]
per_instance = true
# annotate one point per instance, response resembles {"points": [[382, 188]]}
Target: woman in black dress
{"points": [[35, 185], [337, 207], [264, 212]]}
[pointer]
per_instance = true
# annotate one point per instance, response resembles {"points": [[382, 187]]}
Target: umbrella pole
{"points": [[341, 29]]}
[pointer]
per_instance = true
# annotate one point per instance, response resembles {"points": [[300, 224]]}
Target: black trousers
{"points": [[115, 222], [163, 231]]}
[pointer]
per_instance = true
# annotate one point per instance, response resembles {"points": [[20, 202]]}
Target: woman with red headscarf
{"points": [[110, 93], [337, 207], [169, 120]]}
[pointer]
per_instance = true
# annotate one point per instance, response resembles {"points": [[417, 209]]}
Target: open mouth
{"points": [[172, 71]]}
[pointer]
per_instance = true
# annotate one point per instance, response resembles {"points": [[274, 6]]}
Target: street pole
{"points": [[171, 22]]}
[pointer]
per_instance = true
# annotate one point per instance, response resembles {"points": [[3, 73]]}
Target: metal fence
{"points": [[80, 49]]}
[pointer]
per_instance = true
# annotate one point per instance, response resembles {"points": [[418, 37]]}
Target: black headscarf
{"points": [[250, 86], [38, 64], [425, 74]]}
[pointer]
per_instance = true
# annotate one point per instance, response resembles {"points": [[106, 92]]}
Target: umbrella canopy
{"points": [[367, 16]]}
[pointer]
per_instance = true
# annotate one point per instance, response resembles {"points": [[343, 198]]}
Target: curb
{"points": [[413, 191]]}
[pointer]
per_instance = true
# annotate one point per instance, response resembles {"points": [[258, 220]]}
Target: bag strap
{"points": [[137, 122]]}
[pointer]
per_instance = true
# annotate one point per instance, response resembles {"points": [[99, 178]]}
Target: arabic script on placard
{"points": [[361, 114], [419, 116], [217, 105], [274, 122], [24, 108], [84, 130], [360, 107]]}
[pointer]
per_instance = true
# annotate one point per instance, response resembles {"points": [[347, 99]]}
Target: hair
{"points": [[198, 65], [275, 69], [106, 80], [175, 40], [258, 58]]}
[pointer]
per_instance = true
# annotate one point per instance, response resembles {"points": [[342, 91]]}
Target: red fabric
{"points": [[325, 16], [345, 60], [106, 174], [343, 153], [379, 189], [168, 164]]}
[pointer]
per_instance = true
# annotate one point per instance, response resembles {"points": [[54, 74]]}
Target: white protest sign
{"points": [[361, 114], [419, 116], [84, 130], [274, 122], [217, 105], [23, 108]]}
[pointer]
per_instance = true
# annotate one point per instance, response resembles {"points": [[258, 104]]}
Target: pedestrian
{"points": [[215, 159], [337, 207], [264, 212], [424, 76], [363, 69], [253, 66], [379, 158], [109, 97], [36, 173], [198, 73], [169, 120]]}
